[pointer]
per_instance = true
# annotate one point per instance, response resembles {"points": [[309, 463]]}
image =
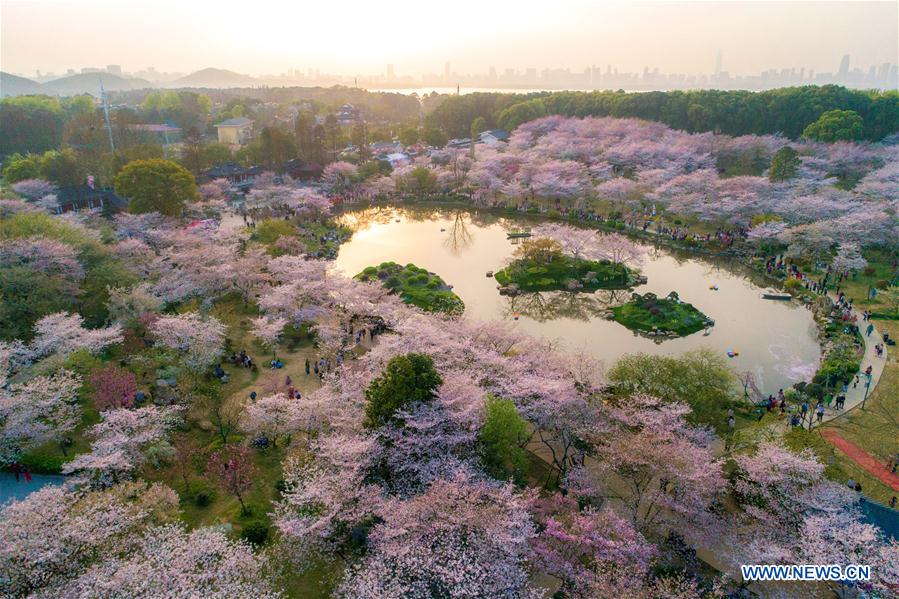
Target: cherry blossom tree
{"points": [[42, 409], [171, 561], [63, 333], [849, 258], [200, 340], [425, 544], [233, 468], [274, 415], [126, 306], [619, 249], [54, 535], [269, 330], [578, 243], [120, 542], [328, 499], [584, 549], [119, 440], [217, 189], [666, 466], [338, 177], [791, 514], [43, 255], [34, 189], [113, 387]]}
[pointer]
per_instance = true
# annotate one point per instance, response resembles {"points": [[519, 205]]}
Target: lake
{"points": [[776, 340]]}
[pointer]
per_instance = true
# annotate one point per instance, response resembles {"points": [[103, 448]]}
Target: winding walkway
{"points": [[855, 396]]}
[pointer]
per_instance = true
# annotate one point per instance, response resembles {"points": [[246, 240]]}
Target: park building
{"points": [[236, 131]]}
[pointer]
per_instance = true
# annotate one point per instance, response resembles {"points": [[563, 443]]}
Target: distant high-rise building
{"points": [[492, 73], [114, 69], [447, 74], [844, 66], [390, 71], [718, 63]]}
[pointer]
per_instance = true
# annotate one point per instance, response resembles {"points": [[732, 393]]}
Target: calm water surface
{"points": [[775, 340]]}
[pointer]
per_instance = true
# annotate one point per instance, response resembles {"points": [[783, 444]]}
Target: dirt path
{"points": [[862, 458]]}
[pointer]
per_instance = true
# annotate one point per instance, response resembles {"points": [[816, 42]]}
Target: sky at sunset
{"points": [[361, 37]]}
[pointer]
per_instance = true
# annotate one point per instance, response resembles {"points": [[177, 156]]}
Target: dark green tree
{"points": [[836, 125], [502, 438], [409, 136], [783, 164], [156, 186], [62, 168], [434, 137], [276, 147], [408, 379], [20, 167], [479, 125]]}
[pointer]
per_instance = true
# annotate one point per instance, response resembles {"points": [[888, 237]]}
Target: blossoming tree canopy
{"points": [[200, 339]]}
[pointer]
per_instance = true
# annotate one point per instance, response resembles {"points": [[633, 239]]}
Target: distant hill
{"points": [[214, 78], [13, 85], [89, 83]]}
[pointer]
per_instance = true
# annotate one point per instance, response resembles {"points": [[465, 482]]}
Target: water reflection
{"points": [[543, 306], [459, 238], [776, 341]]}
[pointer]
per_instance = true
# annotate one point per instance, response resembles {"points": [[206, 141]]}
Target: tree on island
{"points": [[156, 186]]}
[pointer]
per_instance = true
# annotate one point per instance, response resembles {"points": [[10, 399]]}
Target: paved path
{"points": [[856, 395], [862, 457]]}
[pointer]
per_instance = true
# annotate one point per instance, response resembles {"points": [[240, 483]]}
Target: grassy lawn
{"points": [[649, 313], [415, 286], [876, 428], [564, 272]]}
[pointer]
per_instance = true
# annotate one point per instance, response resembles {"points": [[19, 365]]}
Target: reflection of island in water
{"points": [[544, 306]]}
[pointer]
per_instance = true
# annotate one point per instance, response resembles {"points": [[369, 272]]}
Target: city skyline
{"points": [[883, 76]]}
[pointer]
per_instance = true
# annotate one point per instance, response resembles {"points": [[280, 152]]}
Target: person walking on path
{"points": [[869, 330], [820, 412]]}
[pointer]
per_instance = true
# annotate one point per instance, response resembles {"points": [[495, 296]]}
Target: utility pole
{"points": [[106, 115]]}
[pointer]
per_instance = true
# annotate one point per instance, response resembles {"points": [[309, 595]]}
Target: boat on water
{"points": [[518, 233], [777, 296]]}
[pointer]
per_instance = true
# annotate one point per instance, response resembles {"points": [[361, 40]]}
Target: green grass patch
{"points": [[564, 273], [652, 314], [415, 286]]}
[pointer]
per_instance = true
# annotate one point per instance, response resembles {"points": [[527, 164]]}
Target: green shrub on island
{"points": [[668, 315], [541, 266], [565, 274], [415, 286]]}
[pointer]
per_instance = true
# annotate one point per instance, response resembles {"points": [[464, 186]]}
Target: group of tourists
{"points": [[243, 360]]}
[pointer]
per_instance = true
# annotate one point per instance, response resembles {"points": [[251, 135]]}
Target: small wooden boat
{"points": [[518, 234], [489, 273], [777, 296]]}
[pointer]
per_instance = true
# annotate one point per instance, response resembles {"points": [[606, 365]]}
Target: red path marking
{"points": [[862, 457]]}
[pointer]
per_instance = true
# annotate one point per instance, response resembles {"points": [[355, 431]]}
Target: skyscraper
{"points": [[844, 66], [447, 75], [390, 71], [718, 63]]}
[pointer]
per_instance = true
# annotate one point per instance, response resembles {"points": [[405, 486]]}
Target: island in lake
{"points": [[661, 316], [415, 286], [562, 272]]}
